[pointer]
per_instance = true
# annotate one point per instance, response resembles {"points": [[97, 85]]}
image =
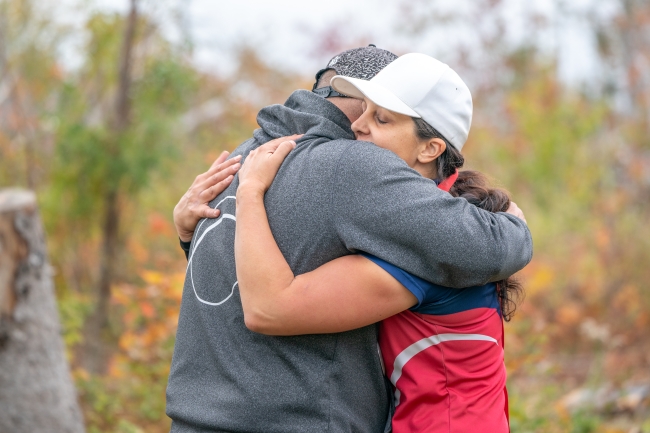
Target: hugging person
{"points": [[352, 233], [442, 347]]}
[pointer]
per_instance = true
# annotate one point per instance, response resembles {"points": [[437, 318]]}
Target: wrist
{"points": [[252, 190], [184, 236]]}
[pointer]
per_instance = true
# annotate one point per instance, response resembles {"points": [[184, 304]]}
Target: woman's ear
{"points": [[431, 150]]}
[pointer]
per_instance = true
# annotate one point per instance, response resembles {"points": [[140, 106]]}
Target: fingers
{"points": [[224, 168], [205, 211], [271, 146], [215, 166], [275, 143], [221, 158], [276, 151], [222, 162], [209, 191], [292, 137], [283, 150], [513, 209], [262, 164], [218, 165]]}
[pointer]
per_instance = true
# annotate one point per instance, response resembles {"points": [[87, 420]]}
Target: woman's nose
{"points": [[360, 126]]}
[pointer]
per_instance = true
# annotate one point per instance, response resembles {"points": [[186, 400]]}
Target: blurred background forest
{"points": [[111, 136]]}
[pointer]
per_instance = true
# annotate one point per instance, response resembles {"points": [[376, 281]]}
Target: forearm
{"points": [[483, 246], [517, 248], [344, 294], [262, 270], [384, 208]]}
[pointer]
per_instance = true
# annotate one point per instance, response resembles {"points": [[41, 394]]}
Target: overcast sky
{"points": [[286, 31]]}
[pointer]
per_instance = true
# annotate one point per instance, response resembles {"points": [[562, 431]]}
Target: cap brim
{"points": [[381, 96]]}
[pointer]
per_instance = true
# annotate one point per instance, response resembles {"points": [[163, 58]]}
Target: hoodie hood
{"points": [[303, 113]]}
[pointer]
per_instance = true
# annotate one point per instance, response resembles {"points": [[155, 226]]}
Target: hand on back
{"points": [[263, 163], [206, 186], [513, 209]]}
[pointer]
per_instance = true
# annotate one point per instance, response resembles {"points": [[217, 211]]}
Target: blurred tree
{"points": [[117, 128], [95, 357], [36, 390], [623, 43]]}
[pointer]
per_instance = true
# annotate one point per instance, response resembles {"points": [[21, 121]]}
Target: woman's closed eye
{"points": [[380, 120]]}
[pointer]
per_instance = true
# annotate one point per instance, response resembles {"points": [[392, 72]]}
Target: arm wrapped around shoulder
{"points": [[385, 208]]}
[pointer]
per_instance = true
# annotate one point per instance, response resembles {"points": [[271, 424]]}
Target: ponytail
{"points": [[474, 187]]}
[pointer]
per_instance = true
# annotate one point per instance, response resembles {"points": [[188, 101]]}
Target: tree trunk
{"points": [[98, 341], [36, 390]]}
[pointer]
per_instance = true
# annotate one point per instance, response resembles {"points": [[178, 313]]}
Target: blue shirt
{"points": [[439, 300]]}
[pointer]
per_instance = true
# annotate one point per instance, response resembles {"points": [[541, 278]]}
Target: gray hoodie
{"points": [[333, 196]]}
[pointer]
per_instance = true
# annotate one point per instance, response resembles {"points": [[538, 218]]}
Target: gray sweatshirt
{"points": [[332, 196]]}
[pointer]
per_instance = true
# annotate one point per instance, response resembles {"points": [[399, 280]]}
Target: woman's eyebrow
{"points": [[383, 111]]}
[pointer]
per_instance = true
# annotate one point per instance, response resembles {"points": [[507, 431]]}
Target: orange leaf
{"points": [[147, 310]]}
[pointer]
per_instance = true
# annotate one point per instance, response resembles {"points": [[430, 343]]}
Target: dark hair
{"points": [[450, 160], [474, 187], [324, 78]]}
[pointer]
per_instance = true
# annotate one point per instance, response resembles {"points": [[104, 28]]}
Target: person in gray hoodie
{"points": [[332, 197]]}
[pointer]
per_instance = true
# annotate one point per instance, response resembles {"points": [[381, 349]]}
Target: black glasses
{"points": [[326, 92]]}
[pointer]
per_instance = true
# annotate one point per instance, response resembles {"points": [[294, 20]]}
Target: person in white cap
{"points": [[442, 347]]}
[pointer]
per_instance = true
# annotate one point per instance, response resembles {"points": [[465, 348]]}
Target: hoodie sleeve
{"points": [[383, 207], [185, 246]]}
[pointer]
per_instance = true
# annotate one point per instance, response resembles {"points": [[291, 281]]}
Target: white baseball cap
{"points": [[419, 86]]}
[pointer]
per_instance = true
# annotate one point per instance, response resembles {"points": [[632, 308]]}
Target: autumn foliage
{"points": [[575, 158]]}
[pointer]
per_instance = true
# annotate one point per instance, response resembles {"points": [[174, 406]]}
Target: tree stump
{"points": [[36, 390]]}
